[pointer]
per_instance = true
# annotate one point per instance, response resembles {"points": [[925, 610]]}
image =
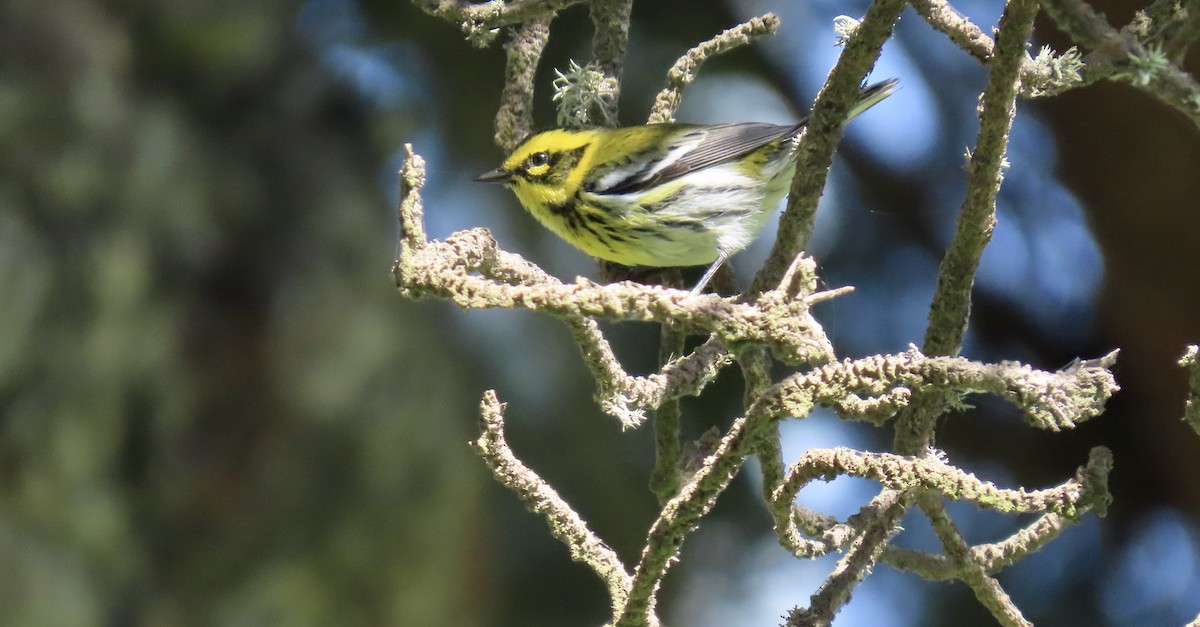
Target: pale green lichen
{"points": [[584, 95]]}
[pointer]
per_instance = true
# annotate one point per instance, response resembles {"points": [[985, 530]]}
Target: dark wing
{"points": [[719, 143]]}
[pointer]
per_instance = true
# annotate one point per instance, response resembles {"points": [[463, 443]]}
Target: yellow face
{"points": [[546, 170]]}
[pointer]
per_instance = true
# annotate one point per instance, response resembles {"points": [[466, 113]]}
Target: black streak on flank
{"points": [[691, 225], [577, 224]]}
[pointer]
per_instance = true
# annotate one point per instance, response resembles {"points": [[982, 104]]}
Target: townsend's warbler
{"points": [[659, 194]]}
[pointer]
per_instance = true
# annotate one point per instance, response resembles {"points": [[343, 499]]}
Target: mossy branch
{"points": [[446, 270], [987, 590], [1146, 63], [514, 118], [861, 555], [540, 498], [951, 307], [667, 473], [901, 472], [1191, 409], [1045, 75], [611, 21], [687, 67], [481, 21], [824, 130], [994, 557]]}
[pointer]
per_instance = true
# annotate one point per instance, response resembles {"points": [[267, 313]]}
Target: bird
{"points": [[660, 195]]}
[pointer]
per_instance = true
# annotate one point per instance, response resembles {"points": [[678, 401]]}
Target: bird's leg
{"points": [[712, 270]]}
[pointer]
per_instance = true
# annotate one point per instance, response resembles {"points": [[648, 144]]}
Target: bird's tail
{"points": [[872, 94]]}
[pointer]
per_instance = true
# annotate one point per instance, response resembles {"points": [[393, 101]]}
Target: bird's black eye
{"points": [[538, 159]]}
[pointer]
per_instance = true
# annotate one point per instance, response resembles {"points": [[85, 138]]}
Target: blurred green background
{"points": [[215, 409]]}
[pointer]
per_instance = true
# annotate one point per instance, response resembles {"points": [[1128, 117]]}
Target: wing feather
{"points": [[718, 144]]}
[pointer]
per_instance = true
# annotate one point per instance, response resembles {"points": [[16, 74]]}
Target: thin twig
{"points": [[514, 118], [824, 130], [853, 567], [951, 307], [611, 21], [1146, 66], [540, 498], [664, 479], [985, 587], [479, 21], [1191, 409], [686, 68]]}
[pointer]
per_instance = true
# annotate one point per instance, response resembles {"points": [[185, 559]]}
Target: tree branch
{"points": [[1191, 410], [1121, 56], [540, 498], [986, 588], [688, 66], [514, 118], [951, 307], [479, 21], [443, 269], [611, 20], [853, 567], [824, 130]]}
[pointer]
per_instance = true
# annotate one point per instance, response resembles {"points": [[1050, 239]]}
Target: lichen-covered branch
{"points": [[756, 374], [1058, 399], [540, 498], [685, 376], [514, 118], [1146, 65], [1050, 400], [479, 21], [862, 554], [907, 475], [411, 213], [665, 478], [611, 21], [1145, 53], [962, 31], [900, 472], [951, 307], [987, 590], [1045, 75], [824, 130], [809, 534], [444, 270], [680, 515], [686, 68], [815, 534], [992, 556], [1191, 409], [772, 319]]}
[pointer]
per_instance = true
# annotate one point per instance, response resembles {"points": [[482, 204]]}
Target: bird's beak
{"points": [[499, 175]]}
